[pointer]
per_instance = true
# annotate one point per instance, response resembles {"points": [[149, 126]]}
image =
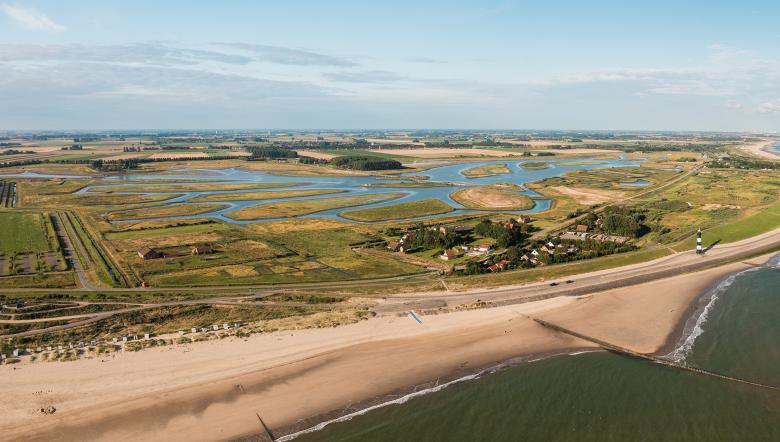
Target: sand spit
{"points": [[762, 149]]}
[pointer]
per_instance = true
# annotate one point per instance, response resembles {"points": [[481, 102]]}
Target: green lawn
{"points": [[22, 232], [412, 209]]}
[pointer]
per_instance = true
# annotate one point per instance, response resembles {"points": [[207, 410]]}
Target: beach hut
{"points": [[194, 330], [215, 327]]}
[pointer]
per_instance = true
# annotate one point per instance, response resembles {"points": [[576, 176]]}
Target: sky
{"points": [[610, 65]]}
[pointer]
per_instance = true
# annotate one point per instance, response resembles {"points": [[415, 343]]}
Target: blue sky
{"points": [[356, 64]]}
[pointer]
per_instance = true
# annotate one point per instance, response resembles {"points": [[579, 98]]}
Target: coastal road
{"points": [[586, 283]]}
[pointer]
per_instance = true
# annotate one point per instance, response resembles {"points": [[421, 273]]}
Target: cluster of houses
{"points": [[549, 248], [147, 253], [402, 245], [458, 251], [581, 233]]}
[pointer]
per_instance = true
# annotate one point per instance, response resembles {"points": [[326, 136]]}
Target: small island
{"points": [[493, 197], [486, 170]]}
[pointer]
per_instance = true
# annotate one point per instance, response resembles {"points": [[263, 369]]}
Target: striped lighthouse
{"points": [[699, 250]]}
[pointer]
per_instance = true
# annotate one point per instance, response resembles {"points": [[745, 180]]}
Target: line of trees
{"points": [[365, 163], [270, 152]]}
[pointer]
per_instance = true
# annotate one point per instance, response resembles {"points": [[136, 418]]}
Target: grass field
{"points": [[412, 209], [267, 195], [164, 211], [752, 225], [193, 229], [535, 165], [486, 170], [287, 209], [493, 197], [22, 232]]}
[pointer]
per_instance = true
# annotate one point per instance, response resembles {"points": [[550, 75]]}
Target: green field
{"points": [[535, 165], [286, 209], [412, 209], [267, 195], [22, 232], [486, 170], [747, 227]]}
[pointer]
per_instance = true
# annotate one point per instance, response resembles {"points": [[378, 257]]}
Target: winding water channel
{"points": [[449, 177]]}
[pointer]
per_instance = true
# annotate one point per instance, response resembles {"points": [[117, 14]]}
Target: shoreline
{"points": [[763, 149], [364, 366]]}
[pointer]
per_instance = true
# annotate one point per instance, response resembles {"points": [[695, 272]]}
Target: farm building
{"points": [[449, 254], [148, 253], [202, 250]]}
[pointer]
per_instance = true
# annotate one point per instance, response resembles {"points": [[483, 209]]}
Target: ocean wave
{"points": [[694, 325], [417, 393], [400, 400]]}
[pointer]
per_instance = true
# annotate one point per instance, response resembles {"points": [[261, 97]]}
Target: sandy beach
{"points": [[216, 390], [763, 149]]}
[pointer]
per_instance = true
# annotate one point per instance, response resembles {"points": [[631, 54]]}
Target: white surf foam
{"points": [[694, 326]]}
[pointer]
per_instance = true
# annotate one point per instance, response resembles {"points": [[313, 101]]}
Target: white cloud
{"points": [[30, 18], [769, 107]]}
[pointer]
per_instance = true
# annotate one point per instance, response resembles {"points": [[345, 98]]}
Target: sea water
{"points": [[606, 397]]}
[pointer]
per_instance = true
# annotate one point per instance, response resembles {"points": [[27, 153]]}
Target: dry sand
{"points": [[588, 196], [762, 149], [217, 389]]}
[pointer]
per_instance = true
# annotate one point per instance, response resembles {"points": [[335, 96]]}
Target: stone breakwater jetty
{"points": [[627, 352]]}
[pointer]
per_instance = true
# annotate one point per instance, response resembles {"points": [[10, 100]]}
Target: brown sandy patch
{"points": [[589, 196], [315, 154]]}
